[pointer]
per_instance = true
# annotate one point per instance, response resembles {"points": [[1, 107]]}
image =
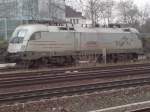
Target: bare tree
{"points": [[101, 10], [106, 10], [95, 10], [144, 14], [128, 12], [90, 8]]}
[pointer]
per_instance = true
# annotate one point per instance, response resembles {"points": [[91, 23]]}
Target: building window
{"points": [[70, 20], [74, 21], [77, 21]]}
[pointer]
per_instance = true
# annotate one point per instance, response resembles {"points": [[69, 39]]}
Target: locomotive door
{"points": [[77, 41]]}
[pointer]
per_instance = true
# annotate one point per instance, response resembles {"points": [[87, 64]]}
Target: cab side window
{"points": [[36, 36]]}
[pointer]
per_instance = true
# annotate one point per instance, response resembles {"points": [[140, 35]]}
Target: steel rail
{"points": [[62, 70], [42, 73], [89, 86], [2, 78], [70, 90], [48, 79], [143, 110]]}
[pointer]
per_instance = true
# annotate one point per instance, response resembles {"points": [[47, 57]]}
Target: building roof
{"points": [[70, 12]]}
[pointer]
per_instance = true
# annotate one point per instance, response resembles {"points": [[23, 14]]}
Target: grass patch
{"points": [[3, 44]]}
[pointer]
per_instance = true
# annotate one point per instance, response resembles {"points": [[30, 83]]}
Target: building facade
{"points": [[16, 12], [19, 9], [74, 17], [52, 9]]}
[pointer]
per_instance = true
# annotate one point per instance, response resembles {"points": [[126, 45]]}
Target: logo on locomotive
{"points": [[92, 44], [124, 41]]}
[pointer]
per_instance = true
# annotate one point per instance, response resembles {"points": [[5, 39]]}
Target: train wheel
{"points": [[100, 59], [61, 60], [45, 61], [26, 64], [70, 60]]}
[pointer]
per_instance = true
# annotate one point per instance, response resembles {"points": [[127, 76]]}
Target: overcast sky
{"points": [[140, 3]]}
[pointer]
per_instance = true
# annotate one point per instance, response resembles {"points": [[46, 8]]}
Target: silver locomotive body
{"points": [[33, 42]]}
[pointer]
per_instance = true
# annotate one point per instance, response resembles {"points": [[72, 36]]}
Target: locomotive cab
{"points": [[17, 43], [21, 36]]}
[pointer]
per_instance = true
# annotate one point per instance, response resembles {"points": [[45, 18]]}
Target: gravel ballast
{"points": [[83, 103]]}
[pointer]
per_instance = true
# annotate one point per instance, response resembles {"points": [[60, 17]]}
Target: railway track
{"points": [[123, 77], [70, 90], [143, 110], [11, 69], [12, 72], [56, 78]]}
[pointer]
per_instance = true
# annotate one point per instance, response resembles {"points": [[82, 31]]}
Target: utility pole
{"points": [[104, 52], [49, 7], [6, 29]]}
